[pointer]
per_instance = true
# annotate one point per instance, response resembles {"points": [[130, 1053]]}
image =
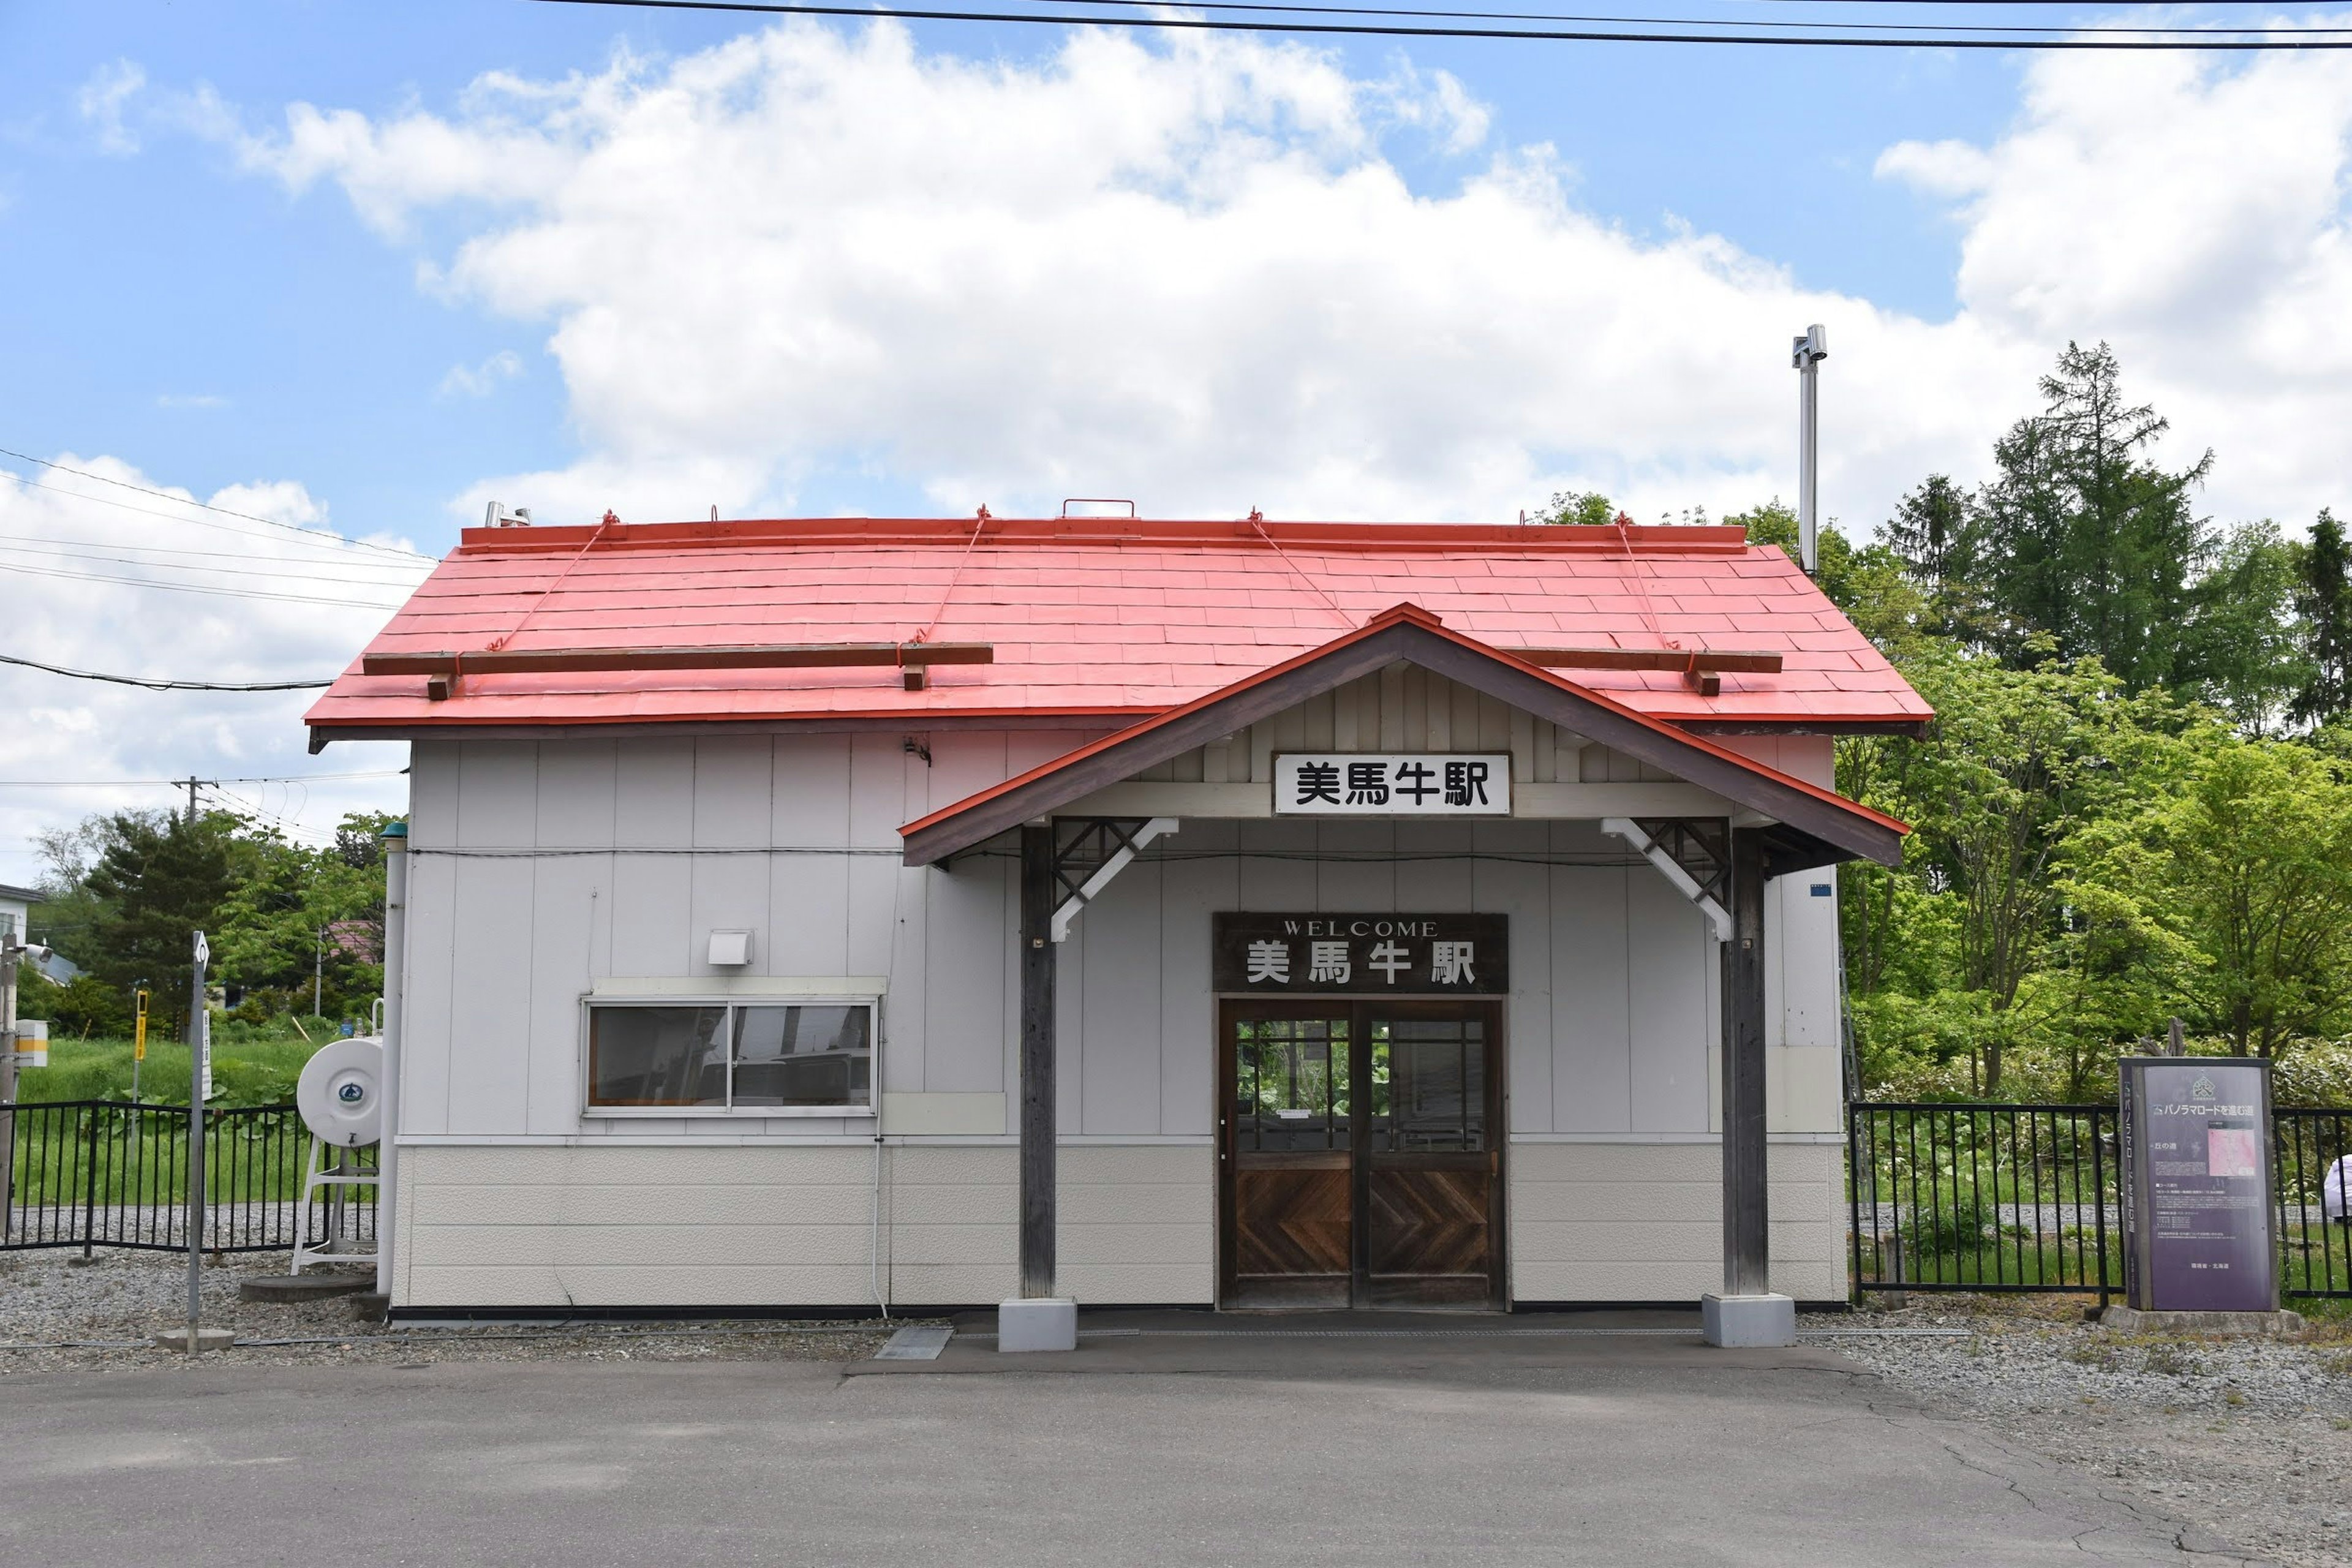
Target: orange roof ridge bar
{"points": [[736, 656], [1675, 659], [1666, 539]]}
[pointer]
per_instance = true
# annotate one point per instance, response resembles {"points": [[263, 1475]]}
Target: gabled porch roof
{"points": [[1815, 827]]}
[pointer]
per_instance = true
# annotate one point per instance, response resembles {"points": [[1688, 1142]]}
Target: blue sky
{"points": [[218, 330], [361, 266]]}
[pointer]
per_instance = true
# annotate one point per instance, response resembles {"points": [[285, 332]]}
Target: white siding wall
{"points": [[546, 868]]}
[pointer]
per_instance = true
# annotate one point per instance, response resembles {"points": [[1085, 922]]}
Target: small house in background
{"points": [[804, 914], [16, 909]]}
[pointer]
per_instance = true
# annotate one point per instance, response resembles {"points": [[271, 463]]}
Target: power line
{"points": [[251, 567], [191, 522], [182, 783], [2287, 41], [225, 511], [197, 588], [1724, 22], [44, 544], [165, 685]]}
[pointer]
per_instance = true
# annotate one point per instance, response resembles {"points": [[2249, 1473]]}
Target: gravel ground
{"points": [[2251, 1439], [46, 1297]]}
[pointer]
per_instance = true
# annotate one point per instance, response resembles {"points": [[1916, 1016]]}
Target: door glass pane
{"points": [[1429, 1086], [1290, 1085]]}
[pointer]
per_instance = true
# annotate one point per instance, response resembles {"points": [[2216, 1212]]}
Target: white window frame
{"points": [[872, 1004]]}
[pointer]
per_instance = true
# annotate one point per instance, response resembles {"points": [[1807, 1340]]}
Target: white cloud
{"points": [[1190, 272], [72, 533], [481, 380], [101, 101]]}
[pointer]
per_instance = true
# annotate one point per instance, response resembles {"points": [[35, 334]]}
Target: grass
{"points": [[249, 1068], [119, 1157]]}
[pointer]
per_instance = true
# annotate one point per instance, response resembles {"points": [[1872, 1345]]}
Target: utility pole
{"points": [[318, 972], [1807, 354], [192, 784]]}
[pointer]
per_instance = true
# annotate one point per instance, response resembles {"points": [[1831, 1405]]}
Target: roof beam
{"points": [[735, 656], [1678, 660]]}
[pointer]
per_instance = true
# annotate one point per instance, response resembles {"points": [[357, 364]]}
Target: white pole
{"points": [[1807, 354], [197, 1052], [395, 978], [11, 955]]}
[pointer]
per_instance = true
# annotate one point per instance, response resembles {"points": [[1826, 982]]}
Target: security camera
{"points": [[1813, 346]]}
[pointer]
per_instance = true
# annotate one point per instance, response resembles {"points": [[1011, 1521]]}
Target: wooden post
{"points": [[1746, 1235], [1039, 1129]]}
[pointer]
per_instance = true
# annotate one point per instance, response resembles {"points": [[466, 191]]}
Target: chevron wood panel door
{"points": [[1358, 1158]]}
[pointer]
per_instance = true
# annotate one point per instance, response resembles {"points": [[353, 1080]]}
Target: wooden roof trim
{"points": [[1411, 633]]}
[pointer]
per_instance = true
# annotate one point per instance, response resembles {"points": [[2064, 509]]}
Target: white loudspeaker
{"points": [[340, 1090]]}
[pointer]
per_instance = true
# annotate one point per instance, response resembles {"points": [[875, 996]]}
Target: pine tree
{"points": [[2325, 600], [1938, 536], [2086, 540]]}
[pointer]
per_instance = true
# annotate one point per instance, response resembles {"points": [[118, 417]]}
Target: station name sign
{"points": [[1344, 954], [1391, 784]]}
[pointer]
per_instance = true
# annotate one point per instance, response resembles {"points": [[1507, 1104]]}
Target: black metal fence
{"points": [[97, 1173], [2025, 1197]]}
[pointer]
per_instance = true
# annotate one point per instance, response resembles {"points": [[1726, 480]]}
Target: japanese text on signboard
{"points": [[1378, 954], [1391, 784]]}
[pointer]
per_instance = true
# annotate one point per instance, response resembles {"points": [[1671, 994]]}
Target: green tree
{"points": [[2243, 650], [2088, 541], [2255, 852], [1588, 509], [1939, 539], [158, 877], [2324, 596]]}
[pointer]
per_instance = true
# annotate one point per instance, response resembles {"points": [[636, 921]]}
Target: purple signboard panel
{"points": [[2197, 1202]]}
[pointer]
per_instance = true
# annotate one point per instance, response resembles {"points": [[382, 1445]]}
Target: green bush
{"points": [[1957, 1225]]}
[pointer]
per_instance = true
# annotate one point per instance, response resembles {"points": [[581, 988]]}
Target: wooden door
{"points": [[1429, 1160], [1286, 1156], [1360, 1158]]}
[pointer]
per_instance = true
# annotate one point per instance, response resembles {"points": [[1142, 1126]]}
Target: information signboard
{"points": [[2198, 1216]]}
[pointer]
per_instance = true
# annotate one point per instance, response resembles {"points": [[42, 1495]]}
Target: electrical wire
{"points": [[1711, 21], [195, 588], [181, 517], [50, 544], [252, 568], [2282, 42], [183, 783], [207, 506], [165, 685]]}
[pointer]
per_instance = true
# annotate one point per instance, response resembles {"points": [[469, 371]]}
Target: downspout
{"points": [[395, 1017]]}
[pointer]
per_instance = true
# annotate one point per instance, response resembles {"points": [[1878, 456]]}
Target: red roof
{"points": [[1112, 617]]}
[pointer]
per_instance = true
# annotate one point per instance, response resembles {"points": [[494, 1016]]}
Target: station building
{"points": [[810, 914]]}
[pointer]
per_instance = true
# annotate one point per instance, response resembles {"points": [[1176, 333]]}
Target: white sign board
{"points": [[1392, 784], [204, 1050]]}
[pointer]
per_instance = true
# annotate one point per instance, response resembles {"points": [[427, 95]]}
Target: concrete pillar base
{"points": [[2139, 1321], [1037, 1323], [206, 1338], [1745, 1321]]}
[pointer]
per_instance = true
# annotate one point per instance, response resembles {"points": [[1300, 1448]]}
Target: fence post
{"points": [[90, 1192], [2099, 1198]]}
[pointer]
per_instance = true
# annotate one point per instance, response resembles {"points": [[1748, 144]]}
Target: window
{"points": [[757, 1057]]}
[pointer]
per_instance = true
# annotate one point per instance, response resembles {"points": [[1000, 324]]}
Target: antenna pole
{"points": [[1806, 354]]}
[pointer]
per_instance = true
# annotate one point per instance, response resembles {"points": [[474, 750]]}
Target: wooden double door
{"points": [[1359, 1154]]}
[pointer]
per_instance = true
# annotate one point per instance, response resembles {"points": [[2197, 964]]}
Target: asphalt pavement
{"points": [[1477, 1443]]}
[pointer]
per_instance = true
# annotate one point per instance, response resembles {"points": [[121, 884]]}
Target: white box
{"points": [[1037, 1323]]}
